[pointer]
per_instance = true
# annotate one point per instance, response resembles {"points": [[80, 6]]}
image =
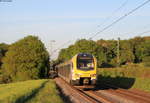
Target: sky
{"points": [[69, 20]]}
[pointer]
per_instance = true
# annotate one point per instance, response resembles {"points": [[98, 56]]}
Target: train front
{"points": [[85, 69]]}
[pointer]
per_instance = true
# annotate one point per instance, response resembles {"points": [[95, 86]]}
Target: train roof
{"points": [[64, 63], [85, 55], [77, 55]]}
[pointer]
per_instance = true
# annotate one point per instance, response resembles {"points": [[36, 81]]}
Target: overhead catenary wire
{"points": [[116, 21], [133, 32], [113, 13], [66, 43], [60, 47], [140, 34], [121, 18]]}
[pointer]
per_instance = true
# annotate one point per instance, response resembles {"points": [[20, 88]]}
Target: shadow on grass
{"points": [[24, 99], [107, 82]]}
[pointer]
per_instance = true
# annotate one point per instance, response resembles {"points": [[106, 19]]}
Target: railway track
{"points": [[84, 94], [125, 96], [78, 95]]}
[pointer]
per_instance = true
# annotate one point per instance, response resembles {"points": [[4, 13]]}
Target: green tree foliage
{"points": [[26, 59], [126, 54], [63, 55], [84, 45], [143, 50], [108, 53], [3, 50], [81, 46], [135, 42], [131, 51]]}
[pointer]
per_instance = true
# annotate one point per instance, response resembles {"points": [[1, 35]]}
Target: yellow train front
{"points": [[80, 70]]}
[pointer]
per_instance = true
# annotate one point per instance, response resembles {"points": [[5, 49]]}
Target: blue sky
{"points": [[63, 20]]}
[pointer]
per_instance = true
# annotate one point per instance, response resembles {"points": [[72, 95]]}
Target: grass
{"points": [[133, 70], [10, 93], [128, 76], [142, 83], [22, 92], [48, 94]]}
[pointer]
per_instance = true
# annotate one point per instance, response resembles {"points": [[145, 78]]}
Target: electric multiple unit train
{"points": [[80, 70]]}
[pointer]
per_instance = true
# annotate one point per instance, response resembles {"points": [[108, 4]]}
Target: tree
{"points": [[26, 59], [101, 56], [135, 42], [126, 54], [131, 51], [85, 46], [63, 55], [108, 53], [143, 52], [3, 50], [81, 46]]}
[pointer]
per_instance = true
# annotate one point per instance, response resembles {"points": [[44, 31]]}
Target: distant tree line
{"points": [[135, 50], [23, 60]]}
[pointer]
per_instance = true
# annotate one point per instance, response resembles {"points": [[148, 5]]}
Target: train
{"points": [[80, 70]]}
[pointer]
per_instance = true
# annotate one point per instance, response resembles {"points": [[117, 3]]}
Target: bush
{"points": [[26, 59]]}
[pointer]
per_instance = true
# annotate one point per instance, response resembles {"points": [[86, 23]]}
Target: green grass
{"points": [[142, 83], [24, 91], [134, 70], [48, 94], [128, 76]]}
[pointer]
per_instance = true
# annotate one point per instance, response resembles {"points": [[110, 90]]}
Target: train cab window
{"points": [[85, 63]]}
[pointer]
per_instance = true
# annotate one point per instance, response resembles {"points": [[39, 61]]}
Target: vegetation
{"points": [[31, 91], [3, 50], [129, 76], [48, 94], [142, 83], [131, 70], [134, 50], [20, 91], [26, 59]]}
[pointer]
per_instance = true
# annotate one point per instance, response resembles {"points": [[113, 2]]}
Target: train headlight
{"points": [[93, 75]]}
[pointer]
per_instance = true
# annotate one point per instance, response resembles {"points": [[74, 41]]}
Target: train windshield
{"points": [[85, 62]]}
